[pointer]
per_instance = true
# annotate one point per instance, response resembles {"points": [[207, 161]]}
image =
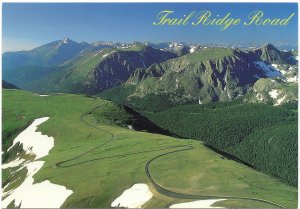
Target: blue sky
{"points": [[27, 25]]}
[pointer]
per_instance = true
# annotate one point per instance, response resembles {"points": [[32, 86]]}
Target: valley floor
{"points": [[98, 160]]}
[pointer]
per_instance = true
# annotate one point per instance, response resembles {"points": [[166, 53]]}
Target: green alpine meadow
{"points": [[133, 113], [98, 152]]}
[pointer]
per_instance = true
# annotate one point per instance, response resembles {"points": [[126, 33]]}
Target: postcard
{"points": [[149, 105]]}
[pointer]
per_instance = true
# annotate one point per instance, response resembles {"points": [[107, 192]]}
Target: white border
{"points": [[151, 1], [147, 1]]}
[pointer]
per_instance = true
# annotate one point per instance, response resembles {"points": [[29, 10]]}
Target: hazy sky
{"points": [[27, 25]]}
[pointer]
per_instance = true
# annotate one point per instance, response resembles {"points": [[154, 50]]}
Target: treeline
{"points": [[261, 135], [110, 113], [151, 102]]}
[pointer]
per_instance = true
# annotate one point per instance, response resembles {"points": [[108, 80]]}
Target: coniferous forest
{"points": [[251, 132]]}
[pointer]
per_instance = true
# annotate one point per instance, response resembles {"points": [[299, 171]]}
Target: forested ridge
{"points": [[261, 135]]}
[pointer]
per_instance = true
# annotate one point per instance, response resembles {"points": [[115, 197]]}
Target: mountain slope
{"points": [[114, 158], [261, 135], [271, 55], [196, 74], [215, 74], [206, 75], [110, 68], [92, 70], [52, 53], [24, 67], [273, 91], [6, 85]]}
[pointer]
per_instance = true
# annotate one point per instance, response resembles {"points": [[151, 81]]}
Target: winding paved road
{"points": [[160, 189]]}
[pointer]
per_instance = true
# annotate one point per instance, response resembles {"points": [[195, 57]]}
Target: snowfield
{"points": [[272, 71], [275, 66], [197, 204], [13, 163], [269, 70], [134, 197], [279, 101], [29, 194], [39, 195], [292, 79], [274, 93], [34, 142]]}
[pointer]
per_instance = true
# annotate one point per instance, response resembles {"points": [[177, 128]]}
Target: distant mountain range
{"points": [[181, 72]]}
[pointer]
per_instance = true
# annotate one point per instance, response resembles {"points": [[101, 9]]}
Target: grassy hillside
{"points": [[261, 135], [98, 160]]}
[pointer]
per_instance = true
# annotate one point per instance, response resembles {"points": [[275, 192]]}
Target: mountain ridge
{"points": [[195, 73]]}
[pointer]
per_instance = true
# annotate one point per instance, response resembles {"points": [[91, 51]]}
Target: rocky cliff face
{"points": [[205, 79], [117, 67], [271, 55]]}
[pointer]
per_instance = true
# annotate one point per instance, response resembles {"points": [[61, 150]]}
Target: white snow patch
{"points": [[65, 41], [105, 55], [259, 97], [199, 102], [197, 204], [230, 97], [283, 72], [279, 101], [39, 195], [134, 197], [274, 93], [34, 142], [192, 49], [269, 70], [130, 127], [13, 163], [177, 85], [43, 95], [98, 52], [292, 79], [7, 192]]}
